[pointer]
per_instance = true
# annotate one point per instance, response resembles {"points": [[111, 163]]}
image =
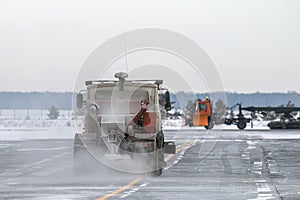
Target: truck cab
{"points": [[203, 113]]}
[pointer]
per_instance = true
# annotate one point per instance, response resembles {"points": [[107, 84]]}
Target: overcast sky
{"points": [[254, 44]]}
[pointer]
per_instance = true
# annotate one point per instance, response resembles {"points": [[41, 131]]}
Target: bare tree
{"points": [[219, 112]]}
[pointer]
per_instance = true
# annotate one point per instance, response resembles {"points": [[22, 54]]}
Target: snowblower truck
{"points": [[203, 114], [122, 124]]}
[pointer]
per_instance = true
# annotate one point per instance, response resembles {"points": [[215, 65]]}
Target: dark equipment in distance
{"points": [[239, 120], [287, 121]]}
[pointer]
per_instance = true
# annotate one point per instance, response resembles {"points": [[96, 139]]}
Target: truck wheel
{"points": [[156, 172], [210, 124], [241, 124], [160, 140], [159, 153]]}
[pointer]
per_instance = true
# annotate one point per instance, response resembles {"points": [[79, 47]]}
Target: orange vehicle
{"points": [[202, 116]]}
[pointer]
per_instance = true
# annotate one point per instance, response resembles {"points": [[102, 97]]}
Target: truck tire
{"points": [[159, 153], [160, 140], [156, 172], [210, 124], [241, 124]]}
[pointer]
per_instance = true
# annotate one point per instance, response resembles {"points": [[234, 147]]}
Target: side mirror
{"points": [[79, 101], [168, 102]]}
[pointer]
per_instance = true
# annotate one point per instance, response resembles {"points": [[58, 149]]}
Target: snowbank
{"points": [[34, 123]]}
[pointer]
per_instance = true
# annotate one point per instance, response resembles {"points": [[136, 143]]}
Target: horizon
{"points": [[188, 92]]}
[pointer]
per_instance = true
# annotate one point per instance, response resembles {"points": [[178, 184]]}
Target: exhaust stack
{"points": [[121, 76]]}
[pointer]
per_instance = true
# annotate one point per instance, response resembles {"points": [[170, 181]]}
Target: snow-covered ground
{"points": [[33, 114], [33, 119], [34, 124], [169, 124], [29, 134], [257, 125]]}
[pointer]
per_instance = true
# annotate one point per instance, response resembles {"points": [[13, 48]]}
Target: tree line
{"points": [[63, 100], [36, 100], [247, 99]]}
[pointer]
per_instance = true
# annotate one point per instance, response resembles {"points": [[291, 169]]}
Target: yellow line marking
{"points": [[137, 180]]}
